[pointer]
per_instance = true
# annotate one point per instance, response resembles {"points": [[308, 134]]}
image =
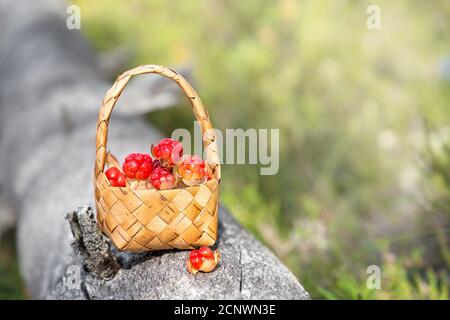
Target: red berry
{"points": [[163, 179], [112, 173], [196, 259], [203, 259], [115, 177], [138, 166], [168, 151], [206, 252], [193, 253], [121, 180], [192, 170]]}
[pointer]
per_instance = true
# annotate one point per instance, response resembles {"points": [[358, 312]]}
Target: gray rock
{"points": [[50, 93], [247, 270], [7, 216]]}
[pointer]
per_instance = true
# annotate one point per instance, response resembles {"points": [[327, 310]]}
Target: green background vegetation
{"points": [[364, 126]]}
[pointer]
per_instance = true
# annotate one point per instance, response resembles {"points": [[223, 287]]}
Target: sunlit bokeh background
{"points": [[364, 128]]}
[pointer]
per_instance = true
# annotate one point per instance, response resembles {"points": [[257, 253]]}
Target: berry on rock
{"points": [[163, 179], [206, 252], [203, 259], [168, 151], [192, 170], [138, 166], [195, 259], [115, 177]]}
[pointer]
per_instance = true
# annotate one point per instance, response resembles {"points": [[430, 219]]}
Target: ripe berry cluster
{"points": [[203, 259], [169, 168]]}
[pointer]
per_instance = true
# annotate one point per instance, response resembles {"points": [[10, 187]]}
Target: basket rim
{"points": [[212, 181]]}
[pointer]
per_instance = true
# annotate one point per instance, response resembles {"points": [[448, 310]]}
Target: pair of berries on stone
{"points": [[203, 259]]}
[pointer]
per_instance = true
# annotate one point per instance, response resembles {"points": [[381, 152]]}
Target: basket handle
{"points": [[199, 110]]}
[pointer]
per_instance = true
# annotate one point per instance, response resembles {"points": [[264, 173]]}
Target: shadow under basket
{"points": [[145, 220]]}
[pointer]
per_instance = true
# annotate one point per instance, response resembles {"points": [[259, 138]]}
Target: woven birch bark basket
{"points": [[144, 220]]}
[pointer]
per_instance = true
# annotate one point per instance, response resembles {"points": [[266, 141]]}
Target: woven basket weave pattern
{"points": [[142, 220]]}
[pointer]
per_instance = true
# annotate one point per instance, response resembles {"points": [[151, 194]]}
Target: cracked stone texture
{"points": [[50, 91]]}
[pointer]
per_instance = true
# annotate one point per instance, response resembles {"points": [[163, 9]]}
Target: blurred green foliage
{"points": [[10, 281], [356, 186]]}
